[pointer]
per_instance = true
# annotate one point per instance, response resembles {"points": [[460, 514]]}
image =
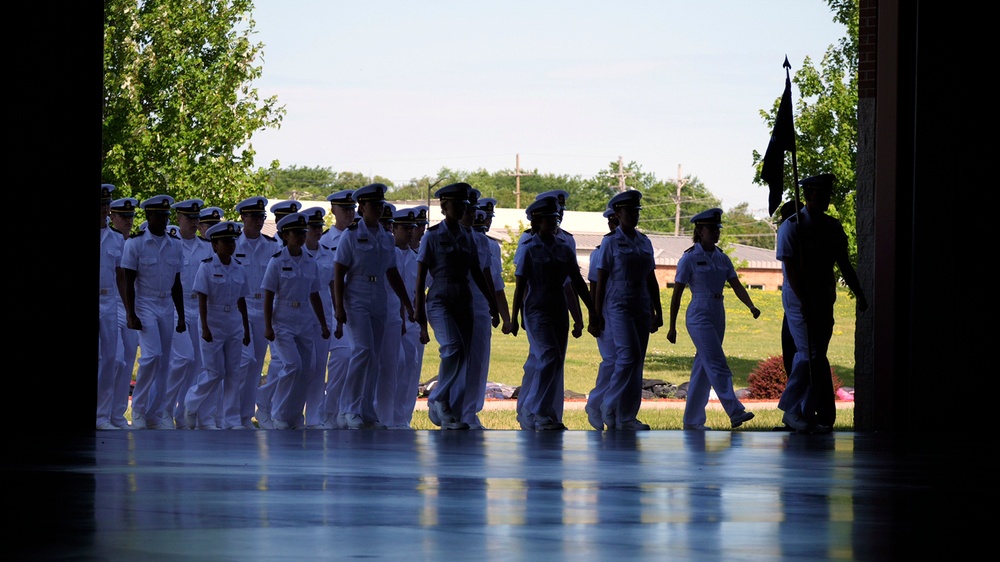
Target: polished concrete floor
{"points": [[485, 495]]}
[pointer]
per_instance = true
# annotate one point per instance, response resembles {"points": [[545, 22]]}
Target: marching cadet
{"points": [[185, 354], [420, 226], [408, 380], [448, 255], [365, 255], [221, 285], [265, 392], [112, 279], [316, 382], [291, 282], [389, 368], [253, 250], [524, 396], [122, 219], [627, 303], [605, 342], [540, 278], [342, 207], [152, 262], [706, 269]]}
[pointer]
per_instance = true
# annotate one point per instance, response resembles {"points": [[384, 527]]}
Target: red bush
{"points": [[768, 379]]}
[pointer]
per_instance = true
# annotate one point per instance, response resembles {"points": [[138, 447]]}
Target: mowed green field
{"points": [[748, 341]]}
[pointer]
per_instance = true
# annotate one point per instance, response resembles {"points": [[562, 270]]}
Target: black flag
{"points": [[782, 139]]}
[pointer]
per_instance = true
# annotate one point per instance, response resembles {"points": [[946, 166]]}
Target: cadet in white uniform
{"points": [[342, 207], [706, 269], [408, 379], [185, 354], [448, 254], [316, 384], [605, 342], [626, 302], [152, 262], [365, 256], [112, 279], [291, 287], [545, 263], [122, 219], [265, 392], [253, 250], [524, 397], [221, 285]]}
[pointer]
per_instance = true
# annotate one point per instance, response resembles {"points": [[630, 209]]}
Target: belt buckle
{"points": [[372, 278], [294, 304], [258, 295], [227, 308], [105, 291], [194, 295]]}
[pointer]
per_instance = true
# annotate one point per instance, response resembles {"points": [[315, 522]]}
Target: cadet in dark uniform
{"points": [[605, 342], [706, 269], [810, 243], [448, 255]]}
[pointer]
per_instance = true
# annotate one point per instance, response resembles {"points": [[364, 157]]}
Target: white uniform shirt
{"points": [[157, 261], [112, 247]]}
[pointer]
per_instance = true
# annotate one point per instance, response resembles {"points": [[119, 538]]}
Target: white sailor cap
{"points": [[211, 215], [158, 204], [223, 230], [710, 216], [253, 205], [106, 189], [344, 197], [314, 216], [370, 192], [628, 198], [292, 222], [190, 208], [560, 195], [285, 208], [125, 206]]}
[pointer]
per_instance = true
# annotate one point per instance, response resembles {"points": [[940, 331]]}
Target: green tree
{"points": [[741, 227], [179, 105], [826, 119]]}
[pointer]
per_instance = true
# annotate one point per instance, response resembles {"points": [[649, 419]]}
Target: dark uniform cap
{"points": [[711, 216], [405, 216], [225, 229], [489, 205], [454, 192], [314, 216], [191, 208], [125, 206], [559, 194], [629, 198], [106, 189], [285, 208], [252, 205], [211, 215], [158, 204], [344, 197], [822, 181], [609, 212], [545, 207], [370, 192], [293, 221]]}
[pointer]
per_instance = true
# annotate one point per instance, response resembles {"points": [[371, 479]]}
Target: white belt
{"points": [[293, 304], [369, 278], [257, 296], [194, 295], [220, 307]]}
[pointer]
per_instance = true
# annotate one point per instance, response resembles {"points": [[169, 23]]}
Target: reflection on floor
{"points": [[477, 495]]}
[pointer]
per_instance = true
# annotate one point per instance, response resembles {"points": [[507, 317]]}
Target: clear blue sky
{"points": [[402, 88]]}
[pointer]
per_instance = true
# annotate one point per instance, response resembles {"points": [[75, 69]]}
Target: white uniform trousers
{"points": [[185, 361], [155, 341], [706, 324], [390, 373], [293, 336], [548, 339], [107, 358], [316, 381], [630, 331], [367, 333], [453, 334], [336, 374], [479, 365], [128, 349], [606, 347], [410, 365], [222, 360]]}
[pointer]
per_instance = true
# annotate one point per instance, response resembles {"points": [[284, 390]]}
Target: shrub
{"points": [[768, 379]]}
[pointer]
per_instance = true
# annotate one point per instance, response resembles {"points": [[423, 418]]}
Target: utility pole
{"points": [[677, 201], [622, 174], [517, 178]]}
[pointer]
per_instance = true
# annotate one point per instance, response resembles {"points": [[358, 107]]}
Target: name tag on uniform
{"points": [[287, 269], [241, 255], [701, 262], [363, 240], [217, 275]]}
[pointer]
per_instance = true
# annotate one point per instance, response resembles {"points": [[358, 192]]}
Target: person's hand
{"points": [[339, 331], [325, 331], [506, 327], [862, 303], [425, 338], [655, 322], [755, 311], [269, 333], [672, 335], [577, 330], [410, 314], [246, 338], [134, 323], [495, 318], [514, 328], [206, 334], [181, 326]]}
